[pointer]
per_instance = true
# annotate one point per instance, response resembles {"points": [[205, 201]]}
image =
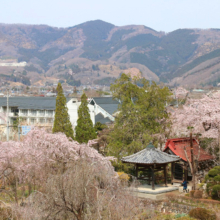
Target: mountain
{"points": [[97, 52]]}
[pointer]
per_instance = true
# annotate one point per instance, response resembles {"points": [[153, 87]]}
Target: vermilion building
{"points": [[181, 169]]}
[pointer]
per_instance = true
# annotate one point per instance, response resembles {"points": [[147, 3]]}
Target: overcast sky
{"points": [[161, 15]]}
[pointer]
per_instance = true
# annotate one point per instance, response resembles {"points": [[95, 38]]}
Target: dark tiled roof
{"points": [[105, 100], [100, 118], [177, 146], [110, 108], [48, 103], [150, 156], [107, 103]]}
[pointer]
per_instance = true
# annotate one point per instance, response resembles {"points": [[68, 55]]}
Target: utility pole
{"points": [[192, 161], [219, 143], [7, 118]]}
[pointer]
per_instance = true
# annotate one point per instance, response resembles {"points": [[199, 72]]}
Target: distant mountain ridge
{"points": [[182, 57]]}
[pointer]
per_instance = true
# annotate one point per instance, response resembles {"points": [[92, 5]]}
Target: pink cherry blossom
{"points": [[201, 114], [40, 152]]}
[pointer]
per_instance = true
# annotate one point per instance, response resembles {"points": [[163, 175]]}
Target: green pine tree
{"points": [[84, 129], [62, 121], [141, 116]]}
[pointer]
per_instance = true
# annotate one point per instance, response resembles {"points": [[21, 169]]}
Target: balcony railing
{"points": [[41, 114], [23, 113], [12, 114]]}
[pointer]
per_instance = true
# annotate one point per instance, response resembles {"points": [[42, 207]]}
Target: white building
{"points": [[104, 109], [41, 110], [38, 110]]}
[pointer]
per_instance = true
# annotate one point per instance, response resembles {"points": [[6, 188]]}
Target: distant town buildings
{"points": [[14, 64]]}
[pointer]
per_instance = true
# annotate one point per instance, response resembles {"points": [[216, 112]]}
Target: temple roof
{"points": [[177, 145], [150, 155]]}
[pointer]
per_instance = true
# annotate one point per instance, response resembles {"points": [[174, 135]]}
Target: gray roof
{"points": [[100, 118], [111, 108], [48, 103], [107, 103], [105, 100], [150, 155]]}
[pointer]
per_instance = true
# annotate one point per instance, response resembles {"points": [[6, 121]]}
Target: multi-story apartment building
{"points": [[38, 110], [41, 110]]}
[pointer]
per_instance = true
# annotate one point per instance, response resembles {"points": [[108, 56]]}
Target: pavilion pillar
{"points": [[136, 170], [153, 181], [172, 171], [149, 174], [165, 174], [174, 164]]}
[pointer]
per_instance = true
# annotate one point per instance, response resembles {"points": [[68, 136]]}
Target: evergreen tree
{"points": [[84, 129], [62, 121], [141, 115]]}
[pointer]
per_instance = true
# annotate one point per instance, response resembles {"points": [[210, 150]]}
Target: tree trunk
{"points": [[15, 191], [29, 188]]}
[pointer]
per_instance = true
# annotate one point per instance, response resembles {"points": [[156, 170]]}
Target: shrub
{"points": [[191, 193], [213, 182], [123, 176], [202, 214], [198, 194], [217, 178], [180, 215], [217, 168], [215, 190], [171, 197], [186, 218], [5, 213], [208, 178], [209, 187], [168, 217], [213, 172]]}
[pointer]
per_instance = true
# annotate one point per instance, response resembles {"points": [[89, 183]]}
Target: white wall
{"points": [[73, 106], [2, 116]]}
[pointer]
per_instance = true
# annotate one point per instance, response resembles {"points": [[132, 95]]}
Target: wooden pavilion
{"points": [[149, 161]]}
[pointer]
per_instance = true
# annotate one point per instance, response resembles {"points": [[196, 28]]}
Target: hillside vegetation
{"points": [[56, 52]]}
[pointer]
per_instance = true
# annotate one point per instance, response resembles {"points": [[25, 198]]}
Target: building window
{"points": [[24, 112], [12, 121], [41, 113], [49, 120], [33, 121], [42, 120], [33, 112], [24, 120], [14, 110], [50, 113]]}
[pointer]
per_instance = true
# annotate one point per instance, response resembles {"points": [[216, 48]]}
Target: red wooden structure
{"points": [[176, 147]]}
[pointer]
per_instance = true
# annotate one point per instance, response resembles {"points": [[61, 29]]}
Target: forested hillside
{"points": [[184, 56]]}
